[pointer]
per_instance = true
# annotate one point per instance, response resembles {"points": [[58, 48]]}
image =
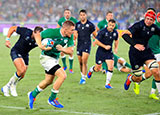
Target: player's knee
{"points": [[97, 69], [138, 79], [137, 72], [153, 65], [155, 72]]}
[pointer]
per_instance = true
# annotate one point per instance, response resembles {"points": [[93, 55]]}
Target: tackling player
{"points": [[20, 55]]}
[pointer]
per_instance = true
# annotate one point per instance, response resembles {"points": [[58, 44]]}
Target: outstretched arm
{"points": [[10, 32]]}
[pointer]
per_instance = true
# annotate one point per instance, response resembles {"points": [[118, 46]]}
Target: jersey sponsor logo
{"points": [[106, 34], [78, 26], [30, 44], [152, 29], [82, 28], [87, 25]]}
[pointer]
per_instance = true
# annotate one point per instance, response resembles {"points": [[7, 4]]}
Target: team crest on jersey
{"points": [[65, 41], [87, 25], [114, 34], [152, 29]]}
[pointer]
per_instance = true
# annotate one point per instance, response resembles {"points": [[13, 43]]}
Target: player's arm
{"points": [[107, 47], [68, 50], [10, 32], [127, 36], [116, 46], [38, 39], [58, 26]]}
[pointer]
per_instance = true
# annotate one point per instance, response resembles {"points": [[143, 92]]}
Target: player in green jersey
{"points": [[67, 16], [50, 61]]}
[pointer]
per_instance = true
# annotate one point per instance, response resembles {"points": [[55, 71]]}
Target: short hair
{"points": [[38, 28], [67, 10], [83, 11], [151, 9], [112, 20], [68, 23], [108, 12]]}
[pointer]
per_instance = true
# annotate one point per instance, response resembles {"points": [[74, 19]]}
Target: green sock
{"points": [[104, 66], [35, 92], [53, 96], [64, 62], [70, 63], [154, 84], [128, 65]]}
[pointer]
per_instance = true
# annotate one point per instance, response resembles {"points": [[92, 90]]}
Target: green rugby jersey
{"points": [[102, 24], [63, 19], [57, 37], [154, 42]]}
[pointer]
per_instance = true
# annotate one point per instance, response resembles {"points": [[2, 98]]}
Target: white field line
{"points": [[153, 114], [51, 110]]}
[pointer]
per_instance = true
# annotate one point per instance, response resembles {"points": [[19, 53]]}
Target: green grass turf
{"points": [[89, 99]]}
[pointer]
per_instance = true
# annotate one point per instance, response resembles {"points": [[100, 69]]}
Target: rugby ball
{"points": [[48, 42]]}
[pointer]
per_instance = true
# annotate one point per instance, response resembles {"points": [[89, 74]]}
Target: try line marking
{"points": [[52, 110]]}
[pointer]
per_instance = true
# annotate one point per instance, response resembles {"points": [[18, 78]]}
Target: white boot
{"points": [[5, 91]]}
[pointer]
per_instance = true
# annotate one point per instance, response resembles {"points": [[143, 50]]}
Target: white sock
{"points": [[71, 58], [153, 91], [108, 77], [13, 80], [143, 75], [39, 89], [91, 69], [84, 76], [158, 86]]}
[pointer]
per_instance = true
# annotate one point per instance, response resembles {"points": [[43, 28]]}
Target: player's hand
{"points": [[139, 47], [108, 47], [8, 44], [43, 47], [59, 48]]}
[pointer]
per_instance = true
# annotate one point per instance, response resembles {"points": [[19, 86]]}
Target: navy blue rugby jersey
{"points": [[107, 38], [25, 43], [85, 31], [142, 33]]}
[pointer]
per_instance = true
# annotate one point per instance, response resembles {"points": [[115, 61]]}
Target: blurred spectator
{"points": [[51, 10]]}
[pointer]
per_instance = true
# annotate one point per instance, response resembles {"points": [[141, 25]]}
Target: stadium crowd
{"points": [[126, 12]]}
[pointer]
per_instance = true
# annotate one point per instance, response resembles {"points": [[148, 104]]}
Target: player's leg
{"points": [[61, 74], [42, 85], [63, 57], [104, 67], [21, 68], [154, 67], [85, 56], [71, 58], [109, 73], [97, 67]]}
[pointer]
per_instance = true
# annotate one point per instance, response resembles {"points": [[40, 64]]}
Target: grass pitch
{"points": [[89, 99]]}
